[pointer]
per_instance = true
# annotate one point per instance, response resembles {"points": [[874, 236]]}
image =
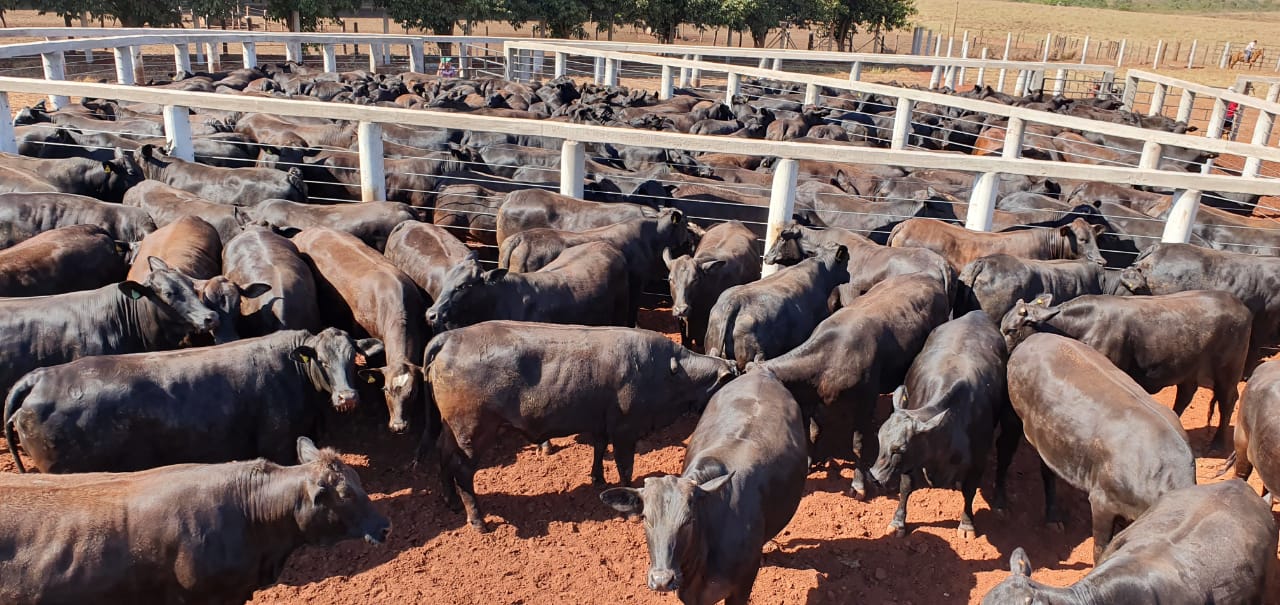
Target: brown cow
{"points": [[1257, 438], [425, 253], [189, 533], [961, 246], [189, 245], [80, 257], [371, 295]]}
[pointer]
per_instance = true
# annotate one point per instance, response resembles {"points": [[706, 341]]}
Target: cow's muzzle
{"points": [[664, 580], [345, 401]]}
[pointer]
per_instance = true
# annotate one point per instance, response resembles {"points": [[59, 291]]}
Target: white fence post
{"points": [[1186, 103], [935, 78], [777, 64], [55, 68], [417, 58], [1014, 132], [293, 52], [330, 53], [182, 58], [1020, 83], [1084, 51], [1273, 92], [951, 78], [562, 64], [1008, 41], [1226, 55], [573, 159], [782, 202], [509, 63], [7, 142], [1048, 41], [1130, 92], [463, 65], [1059, 82], [982, 202], [901, 123], [855, 71], [1217, 119], [611, 72], [214, 56], [811, 94], [1191, 59], [696, 74], [982, 71], [597, 73], [177, 132], [1120, 55], [375, 57], [664, 88], [124, 65], [684, 74], [1261, 134], [733, 87], [964, 54], [1150, 158], [1182, 217], [373, 176], [250, 52], [1155, 63], [1157, 100]]}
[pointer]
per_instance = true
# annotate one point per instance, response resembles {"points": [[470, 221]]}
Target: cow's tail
{"points": [[965, 299], [1230, 464], [11, 405], [505, 250], [720, 336], [434, 423]]}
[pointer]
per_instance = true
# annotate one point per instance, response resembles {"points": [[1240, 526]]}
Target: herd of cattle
{"points": [[176, 333]]}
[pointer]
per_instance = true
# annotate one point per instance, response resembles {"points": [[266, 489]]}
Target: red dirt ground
{"points": [[554, 542]]}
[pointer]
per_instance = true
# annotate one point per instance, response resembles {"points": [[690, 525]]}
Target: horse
{"points": [[1238, 57]]}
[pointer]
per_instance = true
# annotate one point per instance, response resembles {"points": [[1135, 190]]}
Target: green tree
{"points": [[310, 12], [214, 9], [552, 18], [67, 9], [664, 17], [841, 19]]}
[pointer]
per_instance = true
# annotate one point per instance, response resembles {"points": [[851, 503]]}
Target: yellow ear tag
{"points": [[370, 379]]}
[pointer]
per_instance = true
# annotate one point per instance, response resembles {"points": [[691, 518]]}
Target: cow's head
{"points": [[1082, 238], [672, 523], [179, 309], [789, 249], [1018, 588], [902, 449], [467, 294], [400, 383], [332, 505], [224, 296], [117, 176], [329, 360], [32, 115], [1027, 318], [685, 275]]}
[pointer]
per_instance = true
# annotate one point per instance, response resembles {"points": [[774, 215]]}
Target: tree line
{"points": [[838, 19]]}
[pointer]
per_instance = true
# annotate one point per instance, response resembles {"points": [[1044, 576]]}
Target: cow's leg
{"points": [[1224, 391], [464, 474], [599, 443], [899, 522], [1186, 391], [447, 449], [1051, 517], [545, 448], [1006, 446], [624, 457], [862, 447], [969, 489], [741, 594], [1104, 524]]}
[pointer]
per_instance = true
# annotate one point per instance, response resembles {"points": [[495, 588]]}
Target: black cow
{"points": [[259, 256], [1097, 429], [79, 257], [1169, 268], [1200, 544], [181, 534], [860, 352], [944, 416], [106, 181], [532, 208], [531, 377], [25, 215], [869, 263], [165, 205], [727, 255], [1257, 436], [247, 399], [995, 283], [743, 477], [235, 186], [587, 284], [1189, 339], [764, 319], [127, 317]]}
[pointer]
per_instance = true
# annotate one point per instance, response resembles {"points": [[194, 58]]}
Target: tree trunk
{"points": [[295, 21], [66, 20]]}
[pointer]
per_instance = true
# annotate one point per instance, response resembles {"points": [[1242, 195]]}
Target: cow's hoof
{"points": [[479, 526], [545, 448], [598, 482], [966, 532], [858, 493], [899, 531]]}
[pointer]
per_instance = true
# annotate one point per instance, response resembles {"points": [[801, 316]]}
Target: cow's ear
{"points": [[494, 276], [369, 347], [1019, 564], [933, 423], [1043, 300], [303, 354], [713, 485], [1099, 229], [307, 451], [255, 290], [899, 397], [711, 265], [1065, 230], [147, 150], [372, 377], [157, 264], [676, 217], [624, 500], [842, 254], [134, 290]]}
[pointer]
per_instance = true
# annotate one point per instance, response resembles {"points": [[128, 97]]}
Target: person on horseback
{"points": [[1248, 51]]}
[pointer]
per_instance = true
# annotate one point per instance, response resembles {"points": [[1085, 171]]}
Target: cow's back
{"points": [[80, 257], [189, 245]]}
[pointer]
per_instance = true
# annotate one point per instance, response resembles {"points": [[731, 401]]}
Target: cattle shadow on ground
{"points": [[853, 570], [532, 514]]}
